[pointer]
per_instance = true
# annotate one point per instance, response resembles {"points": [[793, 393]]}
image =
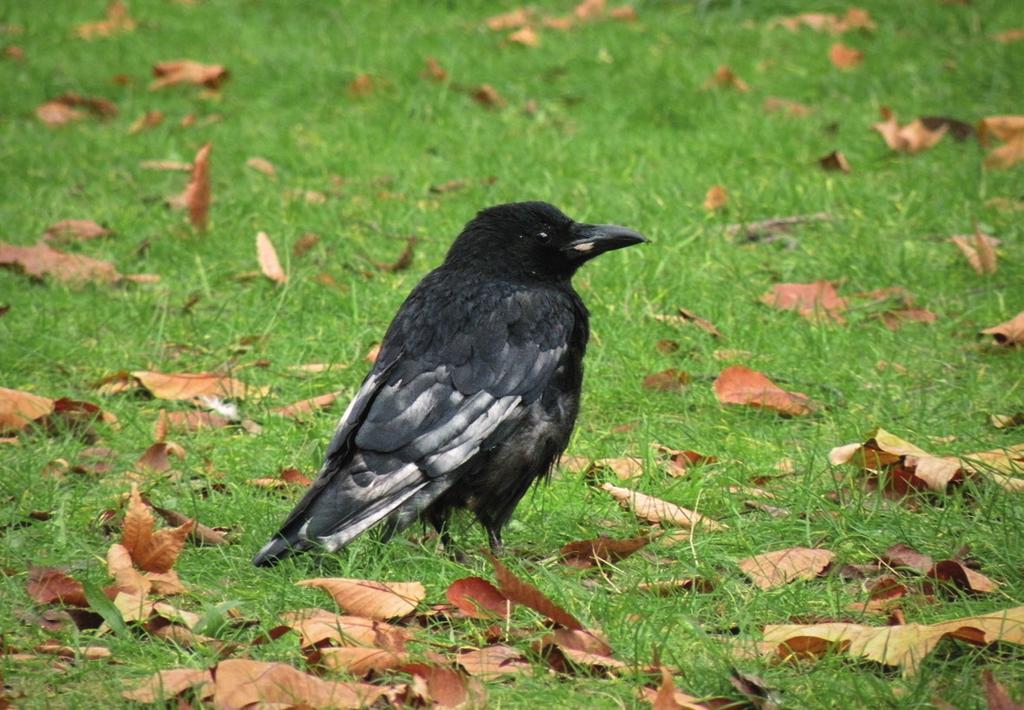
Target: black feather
{"points": [[475, 390]]}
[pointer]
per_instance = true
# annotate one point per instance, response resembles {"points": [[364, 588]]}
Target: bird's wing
{"points": [[436, 397]]}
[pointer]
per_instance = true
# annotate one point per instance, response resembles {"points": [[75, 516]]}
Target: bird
{"points": [[474, 392]]}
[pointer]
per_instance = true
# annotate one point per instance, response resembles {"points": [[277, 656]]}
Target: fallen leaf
{"points": [[774, 104], [487, 96], [165, 685], [359, 660], [196, 197], [682, 459], [262, 165], [624, 467], [446, 687], [490, 662], [845, 57], [996, 695], [740, 385], [854, 19], [19, 409], [200, 534], [151, 551], [190, 421], [41, 260], [376, 600], [267, 256], [70, 230], [433, 70], [174, 165], [911, 138], [687, 317], [716, 198], [668, 697], [894, 320], [304, 243], [450, 186], [181, 385], [962, 576], [834, 161], [127, 579], [117, 21], [526, 36], [317, 626], [1007, 155], [1010, 333], [1007, 421], [670, 380], [241, 682], [299, 409], [656, 510], [623, 13], [811, 300], [64, 109], [725, 77], [477, 598], [150, 119], [47, 585], [566, 648], [669, 587], [157, 457], [979, 250], [901, 555], [522, 592], [510, 20], [589, 9], [601, 550], [1004, 128], [903, 646], [404, 260], [362, 85], [186, 71], [773, 569]]}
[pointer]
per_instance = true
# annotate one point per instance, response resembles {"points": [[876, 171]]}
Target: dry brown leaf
{"points": [[740, 385], [902, 555], [979, 250], [157, 457], [962, 576], [1010, 333], [117, 21], [811, 300], [186, 71], [196, 197], [911, 138], [682, 459], [894, 320], [404, 260], [854, 19], [362, 85], [725, 77], [151, 551], [241, 682], [47, 585], [127, 579], [487, 96], [774, 104], [601, 550], [165, 685], [433, 70], [845, 57], [184, 385], [189, 421], [477, 598], [41, 260], [201, 534], [150, 119], [359, 660], [624, 468], [70, 230], [668, 697], [522, 592], [670, 380], [563, 23], [623, 13], [716, 198], [65, 109], [903, 646], [510, 20], [1004, 128], [375, 600], [173, 165], [267, 256], [996, 695], [773, 569], [656, 510], [834, 161], [589, 9], [1007, 155], [262, 165], [526, 36], [449, 186], [299, 409], [445, 687], [19, 409], [492, 662]]}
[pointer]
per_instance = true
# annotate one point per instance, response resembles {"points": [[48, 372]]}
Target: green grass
{"points": [[623, 132]]}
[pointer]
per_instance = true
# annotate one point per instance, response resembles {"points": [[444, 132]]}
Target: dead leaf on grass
{"points": [[152, 551], [740, 385], [404, 260], [116, 21], [65, 109], [375, 600], [682, 459], [854, 19], [670, 380], [433, 70], [716, 198], [525, 36], [157, 457], [510, 20], [845, 57], [241, 682], [41, 260], [300, 409], [477, 598], [601, 550], [267, 257], [811, 300], [196, 197], [979, 250], [774, 104], [488, 97], [71, 230], [1010, 333], [180, 385], [624, 467], [904, 646], [773, 569], [725, 77], [656, 510], [491, 662], [911, 138], [522, 592], [186, 71], [834, 161], [49, 585]]}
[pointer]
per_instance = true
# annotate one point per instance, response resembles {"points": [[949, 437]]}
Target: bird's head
{"points": [[534, 240]]}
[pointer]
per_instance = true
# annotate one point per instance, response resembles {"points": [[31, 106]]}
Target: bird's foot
{"points": [[497, 546]]}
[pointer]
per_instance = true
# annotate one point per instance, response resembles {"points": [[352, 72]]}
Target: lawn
{"points": [[613, 121]]}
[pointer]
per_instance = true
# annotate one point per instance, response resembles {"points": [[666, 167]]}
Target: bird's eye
{"points": [[542, 237]]}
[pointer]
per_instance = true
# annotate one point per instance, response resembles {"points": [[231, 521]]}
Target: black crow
{"points": [[475, 389]]}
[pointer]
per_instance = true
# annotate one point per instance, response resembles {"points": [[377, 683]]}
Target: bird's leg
{"points": [[494, 537], [439, 521]]}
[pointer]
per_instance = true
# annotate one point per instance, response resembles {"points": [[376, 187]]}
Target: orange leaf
{"points": [[358, 660], [656, 510], [741, 385], [318, 625], [183, 385], [810, 300], [433, 70], [486, 95], [151, 551], [117, 21], [835, 161], [47, 585], [845, 57], [186, 71], [306, 406], [491, 662], [241, 682], [773, 569], [157, 456], [74, 229], [42, 260], [911, 138], [1009, 333], [510, 20], [477, 598], [774, 104], [725, 77], [19, 409], [670, 380], [269, 264], [1005, 128], [1008, 155], [375, 600], [197, 193], [587, 553], [522, 592], [527, 36], [716, 198], [979, 250]]}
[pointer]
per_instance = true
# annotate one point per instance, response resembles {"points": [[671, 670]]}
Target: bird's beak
{"points": [[593, 239]]}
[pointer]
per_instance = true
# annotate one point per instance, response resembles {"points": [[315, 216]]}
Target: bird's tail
{"points": [[277, 549]]}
